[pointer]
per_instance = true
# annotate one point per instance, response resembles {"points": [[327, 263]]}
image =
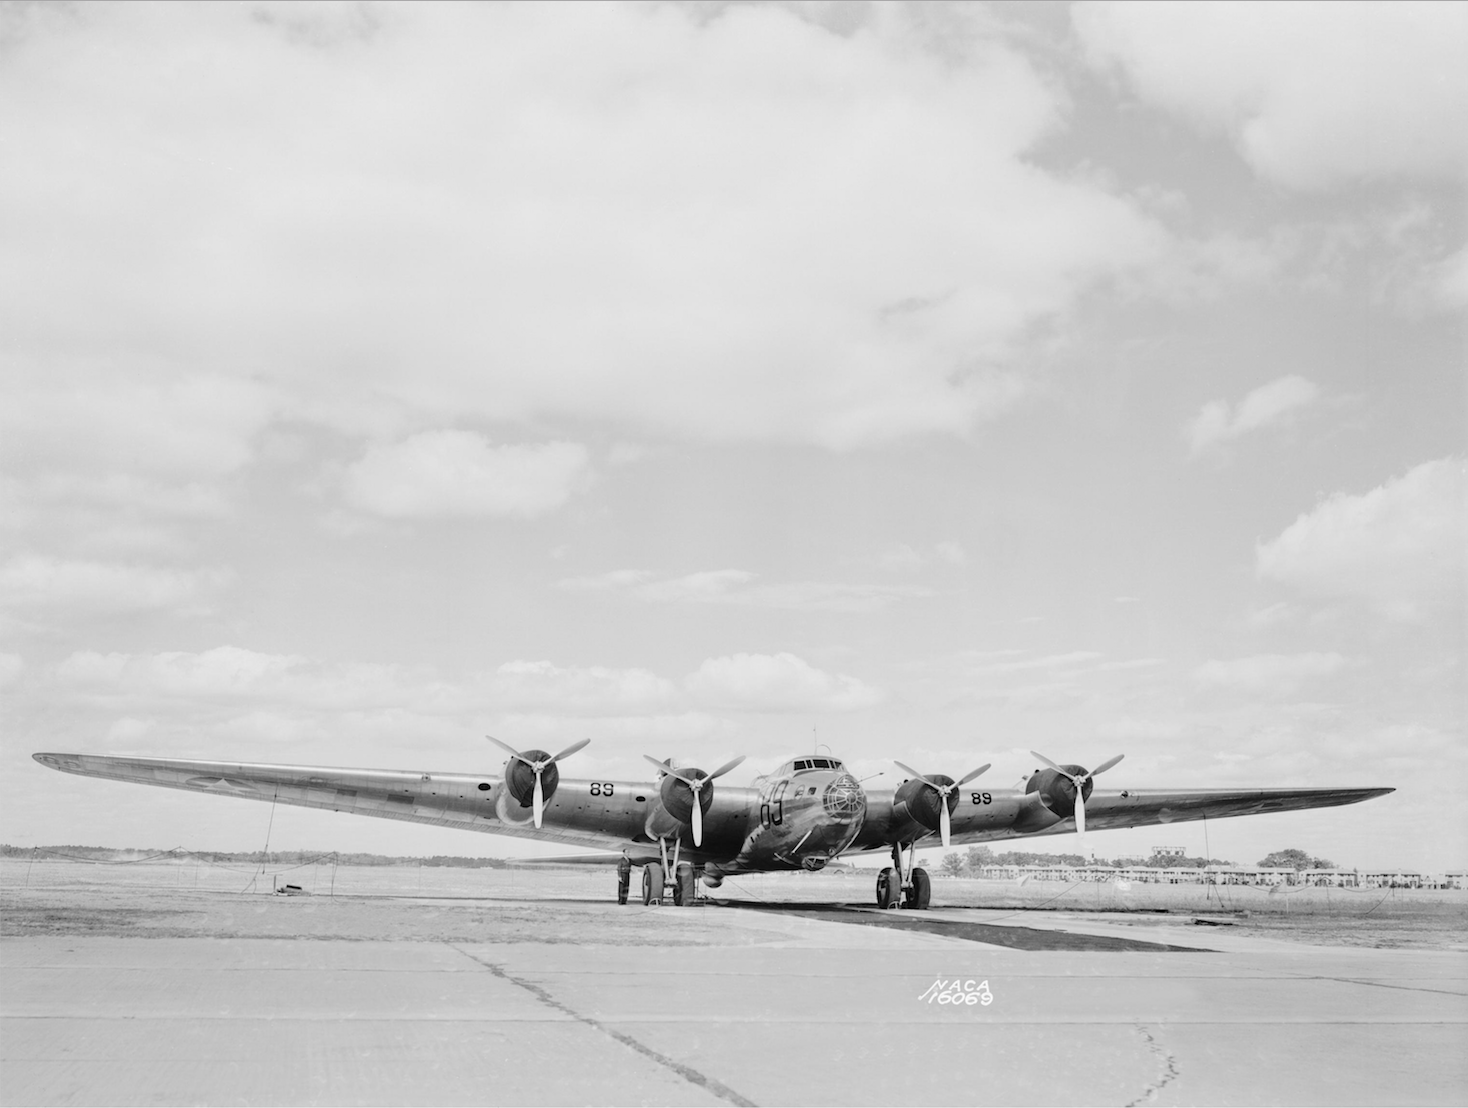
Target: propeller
{"points": [[944, 791], [1079, 781], [537, 767], [695, 785]]}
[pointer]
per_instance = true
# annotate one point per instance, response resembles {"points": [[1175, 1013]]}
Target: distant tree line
{"points": [[971, 863], [258, 857]]}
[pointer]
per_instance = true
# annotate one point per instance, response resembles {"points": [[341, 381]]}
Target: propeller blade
{"points": [[513, 752], [1048, 762], [914, 773], [1080, 816], [945, 828], [975, 773], [697, 820], [663, 767], [570, 750], [539, 799], [726, 767], [1104, 766]]}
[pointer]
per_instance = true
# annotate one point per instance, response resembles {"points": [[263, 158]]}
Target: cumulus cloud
{"points": [[579, 690], [1268, 673], [777, 683], [719, 225], [903, 558], [1400, 547], [1269, 405], [69, 586], [458, 473], [123, 423], [1312, 95], [737, 587], [277, 696], [232, 676]]}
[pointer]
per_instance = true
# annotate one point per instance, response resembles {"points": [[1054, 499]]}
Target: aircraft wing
{"points": [[464, 801], [1147, 807], [1011, 814]]}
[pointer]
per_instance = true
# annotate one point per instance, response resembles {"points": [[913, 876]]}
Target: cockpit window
{"points": [[803, 765]]}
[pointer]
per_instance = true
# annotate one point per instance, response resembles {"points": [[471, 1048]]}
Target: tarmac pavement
{"points": [[814, 1012]]}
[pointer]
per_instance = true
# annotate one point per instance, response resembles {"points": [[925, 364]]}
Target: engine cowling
{"points": [[1058, 792], [677, 796], [923, 802], [520, 778]]}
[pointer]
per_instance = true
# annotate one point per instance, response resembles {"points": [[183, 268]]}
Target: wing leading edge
{"points": [[1010, 814], [464, 801]]}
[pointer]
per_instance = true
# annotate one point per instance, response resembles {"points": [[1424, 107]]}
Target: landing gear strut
{"points": [[901, 883], [656, 886]]}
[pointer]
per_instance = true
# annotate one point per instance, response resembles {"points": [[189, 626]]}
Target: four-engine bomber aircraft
{"points": [[682, 828]]}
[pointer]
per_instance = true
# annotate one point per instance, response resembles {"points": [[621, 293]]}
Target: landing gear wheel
{"points": [[889, 891], [652, 883], [685, 884], [624, 880], [920, 893]]}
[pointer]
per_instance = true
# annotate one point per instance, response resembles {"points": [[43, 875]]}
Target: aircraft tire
{"points": [[652, 883], [889, 895], [685, 885], [921, 894]]}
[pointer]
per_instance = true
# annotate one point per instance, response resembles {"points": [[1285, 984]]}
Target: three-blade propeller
{"points": [[695, 785], [539, 766], [944, 792], [1079, 781]]}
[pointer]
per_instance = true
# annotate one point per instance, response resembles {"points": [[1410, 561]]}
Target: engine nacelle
{"points": [[1058, 792], [520, 778], [677, 797], [922, 802]]}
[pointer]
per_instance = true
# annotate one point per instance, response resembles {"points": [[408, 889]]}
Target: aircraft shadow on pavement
{"points": [[1016, 938]]}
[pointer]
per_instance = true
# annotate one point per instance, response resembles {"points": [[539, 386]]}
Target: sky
{"points": [[929, 382]]}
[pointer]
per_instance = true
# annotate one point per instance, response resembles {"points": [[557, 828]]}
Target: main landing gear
{"points": [[662, 880], [903, 885]]}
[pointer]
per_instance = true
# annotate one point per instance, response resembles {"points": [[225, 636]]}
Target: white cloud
{"points": [[952, 553], [1311, 94], [579, 690], [736, 587], [1067, 660], [1447, 281], [222, 671], [720, 225], [776, 683], [708, 586], [60, 586], [901, 559], [11, 667], [1269, 405], [230, 675], [1268, 673], [1402, 547], [121, 424], [458, 473]]}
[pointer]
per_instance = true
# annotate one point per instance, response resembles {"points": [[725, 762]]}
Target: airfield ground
{"points": [[172, 984]]}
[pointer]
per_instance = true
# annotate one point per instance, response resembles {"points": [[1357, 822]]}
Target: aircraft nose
{"points": [[844, 798]]}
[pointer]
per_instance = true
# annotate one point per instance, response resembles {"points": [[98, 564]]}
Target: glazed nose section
{"points": [[844, 799]]}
